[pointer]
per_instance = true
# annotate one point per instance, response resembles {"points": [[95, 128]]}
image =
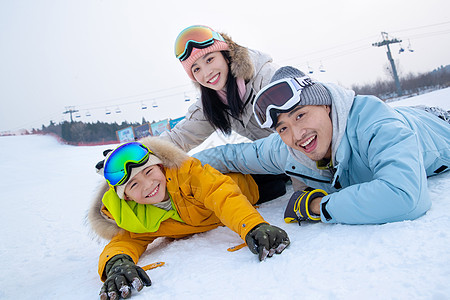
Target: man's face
{"points": [[307, 129]]}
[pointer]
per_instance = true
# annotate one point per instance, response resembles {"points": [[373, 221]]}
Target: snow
{"points": [[48, 251]]}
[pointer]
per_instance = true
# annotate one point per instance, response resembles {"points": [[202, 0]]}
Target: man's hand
{"points": [[304, 205], [265, 240], [122, 274]]}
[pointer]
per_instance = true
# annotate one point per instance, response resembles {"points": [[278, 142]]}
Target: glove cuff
{"points": [[297, 209], [119, 258]]}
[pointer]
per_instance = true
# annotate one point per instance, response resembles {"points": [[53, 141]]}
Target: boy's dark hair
{"points": [[216, 112]]}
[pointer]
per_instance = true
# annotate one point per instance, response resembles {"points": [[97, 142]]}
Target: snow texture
{"points": [[48, 251]]}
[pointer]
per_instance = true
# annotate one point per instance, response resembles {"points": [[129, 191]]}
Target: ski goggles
{"points": [[196, 36], [278, 96], [118, 165]]}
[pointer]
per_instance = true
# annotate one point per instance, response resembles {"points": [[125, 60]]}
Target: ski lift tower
{"points": [[385, 42], [70, 110]]}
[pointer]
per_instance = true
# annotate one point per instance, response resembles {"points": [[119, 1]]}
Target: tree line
{"points": [[79, 132], [411, 84]]}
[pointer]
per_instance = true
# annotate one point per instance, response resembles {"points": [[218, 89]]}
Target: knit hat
{"points": [[120, 189], [197, 53], [315, 94]]}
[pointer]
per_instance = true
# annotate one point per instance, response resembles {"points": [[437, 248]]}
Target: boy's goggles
{"points": [[196, 36], [117, 168], [278, 96]]}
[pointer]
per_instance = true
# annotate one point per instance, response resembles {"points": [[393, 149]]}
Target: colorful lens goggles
{"points": [[278, 96], [117, 168], [196, 36]]}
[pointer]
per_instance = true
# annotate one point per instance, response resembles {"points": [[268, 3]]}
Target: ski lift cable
{"points": [[363, 41], [134, 102], [420, 27], [344, 52], [147, 94], [425, 35]]}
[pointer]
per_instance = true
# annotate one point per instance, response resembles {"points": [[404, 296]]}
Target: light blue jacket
{"points": [[381, 162]]}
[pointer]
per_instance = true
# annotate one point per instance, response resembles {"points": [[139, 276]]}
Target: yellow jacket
{"points": [[203, 197]]}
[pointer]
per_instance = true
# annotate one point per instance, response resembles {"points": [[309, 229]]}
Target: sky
{"points": [[98, 56], [50, 253]]}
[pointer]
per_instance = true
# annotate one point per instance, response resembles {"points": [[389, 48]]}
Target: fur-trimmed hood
{"points": [[241, 64], [105, 227]]}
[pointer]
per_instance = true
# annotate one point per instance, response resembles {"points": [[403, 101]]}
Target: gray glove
{"points": [[265, 240], [121, 275]]}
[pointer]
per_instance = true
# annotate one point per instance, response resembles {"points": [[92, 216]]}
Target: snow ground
{"points": [[48, 251]]}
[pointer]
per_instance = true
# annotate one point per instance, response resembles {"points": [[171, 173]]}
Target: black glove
{"points": [[121, 274], [265, 240], [297, 209]]}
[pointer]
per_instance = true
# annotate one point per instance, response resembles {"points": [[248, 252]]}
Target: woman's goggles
{"points": [[278, 96], [118, 165], [196, 36]]}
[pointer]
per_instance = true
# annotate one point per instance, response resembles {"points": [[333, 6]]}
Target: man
{"points": [[366, 162]]}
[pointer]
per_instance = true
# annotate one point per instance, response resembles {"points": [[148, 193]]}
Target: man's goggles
{"points": [[117, 168], [278, 96], [196, 36]]}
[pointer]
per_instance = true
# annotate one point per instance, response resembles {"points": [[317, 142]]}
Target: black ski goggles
{"points": [[278, 96]]}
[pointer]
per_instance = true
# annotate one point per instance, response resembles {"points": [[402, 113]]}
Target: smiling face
{"points": [[307, 129], [211, 71], [148, 186]]}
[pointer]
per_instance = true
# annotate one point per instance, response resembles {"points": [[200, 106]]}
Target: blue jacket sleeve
{"points": [[264, 156]]}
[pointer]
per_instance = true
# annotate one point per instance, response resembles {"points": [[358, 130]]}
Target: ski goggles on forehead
{"points": [[194, 37], [278, 96], [118, 165]]}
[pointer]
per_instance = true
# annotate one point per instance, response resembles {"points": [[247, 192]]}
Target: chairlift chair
{"points": [[409, 47], [321, 68]]}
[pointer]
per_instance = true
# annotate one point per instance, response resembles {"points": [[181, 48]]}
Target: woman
{"points": [[229, 76]]}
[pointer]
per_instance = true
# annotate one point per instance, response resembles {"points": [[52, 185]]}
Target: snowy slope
{"points": [[48, 252]]}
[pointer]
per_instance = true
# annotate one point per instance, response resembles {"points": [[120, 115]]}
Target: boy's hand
{"points": [[121, 275], [265, 240]]}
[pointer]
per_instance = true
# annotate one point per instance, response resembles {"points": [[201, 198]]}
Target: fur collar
{"points": [[241, 64]]}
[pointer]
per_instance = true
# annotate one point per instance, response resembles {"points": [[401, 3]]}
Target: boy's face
{"points": [[148, 186], [307, 129]]}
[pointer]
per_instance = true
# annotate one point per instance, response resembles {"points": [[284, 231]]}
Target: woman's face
{"points": [[211, 71]]}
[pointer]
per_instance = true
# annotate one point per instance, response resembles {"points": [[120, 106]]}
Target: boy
{"points": [[368, 162], [156, 190]]}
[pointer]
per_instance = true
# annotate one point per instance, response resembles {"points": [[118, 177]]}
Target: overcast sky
{"points": [[109, 56]]}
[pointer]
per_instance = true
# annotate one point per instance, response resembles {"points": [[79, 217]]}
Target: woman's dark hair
{"points": [[217, 112]]}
